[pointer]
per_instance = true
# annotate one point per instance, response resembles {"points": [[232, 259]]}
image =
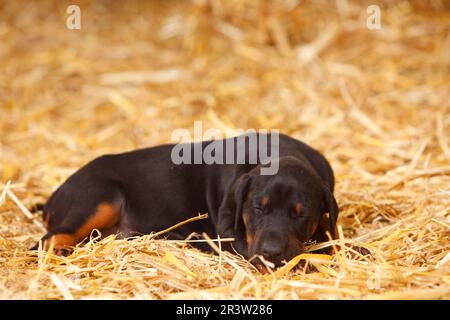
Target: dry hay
{"points": [[375, 102]]}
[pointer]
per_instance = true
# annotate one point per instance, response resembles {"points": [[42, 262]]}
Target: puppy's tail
{"points": [[33, 209], [37, 207]]}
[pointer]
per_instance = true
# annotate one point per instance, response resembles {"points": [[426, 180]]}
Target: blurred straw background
{"points": [[375, 102]]}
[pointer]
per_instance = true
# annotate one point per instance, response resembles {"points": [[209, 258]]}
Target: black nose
{"points": [[272, 251]]}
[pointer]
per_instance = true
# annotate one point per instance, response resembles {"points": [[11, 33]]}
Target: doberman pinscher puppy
{"points": [[144, 191]]}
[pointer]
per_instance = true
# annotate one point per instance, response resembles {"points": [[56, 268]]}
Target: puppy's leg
{"points": [[104, 218], [71, 217]]}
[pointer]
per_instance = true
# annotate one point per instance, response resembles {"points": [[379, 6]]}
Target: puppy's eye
{"points": [[295, 214]]}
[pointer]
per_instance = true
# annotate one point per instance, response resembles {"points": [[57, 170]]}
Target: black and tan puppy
{"points": [[144, 191]]}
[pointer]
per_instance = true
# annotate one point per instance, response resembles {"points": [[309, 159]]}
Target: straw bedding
{"points": [[375, 102]]}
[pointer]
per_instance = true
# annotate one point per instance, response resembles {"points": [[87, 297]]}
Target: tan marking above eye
{"points": [[264, 201], [298, 207]]}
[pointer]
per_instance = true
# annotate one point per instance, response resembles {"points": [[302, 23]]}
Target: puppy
{"points": [[145, 191]]}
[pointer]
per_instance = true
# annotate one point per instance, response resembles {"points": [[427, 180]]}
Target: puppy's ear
{"points": [[240, 195], [230, 211], [332, 208]]}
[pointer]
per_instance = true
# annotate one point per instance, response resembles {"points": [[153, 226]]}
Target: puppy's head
{"points": [[279, 213]]}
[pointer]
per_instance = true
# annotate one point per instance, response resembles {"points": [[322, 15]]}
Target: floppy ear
{"points": [[230, 211], [240, 195], [332, 208]]}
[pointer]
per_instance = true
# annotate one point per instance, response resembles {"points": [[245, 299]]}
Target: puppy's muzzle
{"points": [[272, 251]]}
